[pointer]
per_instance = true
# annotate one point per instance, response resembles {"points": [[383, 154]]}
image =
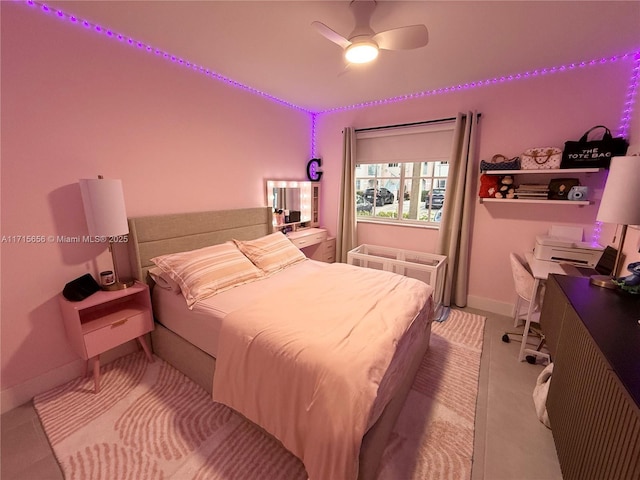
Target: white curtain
{"points": [[346, 238], [453, 240]]}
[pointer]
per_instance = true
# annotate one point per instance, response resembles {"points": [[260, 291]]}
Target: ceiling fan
{"points": [[363, 43]]}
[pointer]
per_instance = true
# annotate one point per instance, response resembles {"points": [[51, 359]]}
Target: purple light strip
{"points": [[314, 118], [484, 83], [625, 121], [160, 53], [632, 91], [627, 111], [623, 129]]}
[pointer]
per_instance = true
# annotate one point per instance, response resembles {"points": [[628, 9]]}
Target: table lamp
{"points": [[104, 209], [620, 204]]}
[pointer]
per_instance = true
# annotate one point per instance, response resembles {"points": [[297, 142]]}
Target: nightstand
{"points": [[105, 320]]}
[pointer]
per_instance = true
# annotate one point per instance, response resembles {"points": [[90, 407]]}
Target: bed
{"points": [[189, 338]]}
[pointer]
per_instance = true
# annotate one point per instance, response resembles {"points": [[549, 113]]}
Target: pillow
{"points": [[272, 252], [163, 280], [204, 272]]}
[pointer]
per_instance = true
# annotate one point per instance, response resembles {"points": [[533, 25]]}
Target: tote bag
{"points": [[586, 153]]}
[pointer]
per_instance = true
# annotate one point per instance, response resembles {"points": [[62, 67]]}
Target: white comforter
{"points": [[306, 365]]}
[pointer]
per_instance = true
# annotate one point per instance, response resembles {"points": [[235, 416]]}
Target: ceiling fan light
{"points": [[361, 52]]}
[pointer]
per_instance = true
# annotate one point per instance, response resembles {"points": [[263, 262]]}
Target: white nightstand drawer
{"points": [[119, 331]]}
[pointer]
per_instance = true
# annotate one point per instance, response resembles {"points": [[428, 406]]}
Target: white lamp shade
{"points": [[104, 207], [621, 198]]}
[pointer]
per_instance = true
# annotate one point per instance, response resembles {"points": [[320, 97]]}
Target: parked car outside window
{"points": [[437, 198], [384, 197]]}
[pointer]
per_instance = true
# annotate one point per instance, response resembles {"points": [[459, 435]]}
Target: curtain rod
{"points": [[425, 122]]}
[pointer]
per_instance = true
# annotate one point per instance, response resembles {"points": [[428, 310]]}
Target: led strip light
{"points": [[156, 51], [622, 130], [488, 82], [625, 121]]}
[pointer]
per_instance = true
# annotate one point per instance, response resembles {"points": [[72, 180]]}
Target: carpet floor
{"points": [[150, 421]]}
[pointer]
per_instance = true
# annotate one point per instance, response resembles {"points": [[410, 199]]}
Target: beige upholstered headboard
{"points": [[162, 234]]}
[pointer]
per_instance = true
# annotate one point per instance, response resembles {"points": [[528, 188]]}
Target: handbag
{"points": [[541, 158], [559, 188], [586, 153], [500, 162]]}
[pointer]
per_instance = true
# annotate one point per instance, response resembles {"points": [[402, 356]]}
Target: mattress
{"points": [[201, 326]]}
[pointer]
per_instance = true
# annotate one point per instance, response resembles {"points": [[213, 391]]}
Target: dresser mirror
{"points": [[286, 198], [292, 196]]}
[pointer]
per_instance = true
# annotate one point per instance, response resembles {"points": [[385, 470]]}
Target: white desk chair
{"points": [[531, 291]]}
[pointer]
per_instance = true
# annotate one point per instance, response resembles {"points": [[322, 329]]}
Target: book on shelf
{"points": [[533, 186], [533, 191]]}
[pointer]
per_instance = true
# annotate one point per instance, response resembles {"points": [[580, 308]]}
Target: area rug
{"points": [[150, 421]]}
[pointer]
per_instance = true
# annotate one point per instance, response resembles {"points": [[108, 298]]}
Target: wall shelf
{"points": [[541, 171]]}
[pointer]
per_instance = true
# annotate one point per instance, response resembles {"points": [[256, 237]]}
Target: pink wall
{"points": [[542, 111], [75, 105]]}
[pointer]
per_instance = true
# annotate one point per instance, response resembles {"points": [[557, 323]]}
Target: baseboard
{"points": [[21, 393], [17, 395], [489, 305]]}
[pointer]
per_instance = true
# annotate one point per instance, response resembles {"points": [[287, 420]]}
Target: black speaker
{"points": [[294, 216], [80, 288]]}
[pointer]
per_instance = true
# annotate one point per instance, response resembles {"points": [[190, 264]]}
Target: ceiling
{"points": [[271, 45]]}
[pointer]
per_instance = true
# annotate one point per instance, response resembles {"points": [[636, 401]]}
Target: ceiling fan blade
{"points": [[345, 70], [402, 38], [331, 35]]}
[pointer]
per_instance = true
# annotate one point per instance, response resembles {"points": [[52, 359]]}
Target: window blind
{"points": [[405, 144]]}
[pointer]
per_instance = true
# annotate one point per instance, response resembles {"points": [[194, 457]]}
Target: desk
{"points": [[541, 268]]}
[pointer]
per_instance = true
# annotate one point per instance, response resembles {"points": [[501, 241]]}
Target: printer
{"points": [[567, 250]]}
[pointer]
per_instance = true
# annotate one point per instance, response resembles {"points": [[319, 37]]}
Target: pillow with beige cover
{"points": [[272, 252], [163, 280], [204, 272]]}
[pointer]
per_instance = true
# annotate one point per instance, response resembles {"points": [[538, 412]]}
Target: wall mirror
{"points": [[290, 195]]}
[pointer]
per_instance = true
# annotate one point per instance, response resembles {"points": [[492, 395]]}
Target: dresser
{"points": [[315, 244], [594, 396]]}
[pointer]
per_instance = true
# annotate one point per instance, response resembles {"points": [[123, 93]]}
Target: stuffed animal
{"points": [[488, 186], [630, 283], [506, 188]]}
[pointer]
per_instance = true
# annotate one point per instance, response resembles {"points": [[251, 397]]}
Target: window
{"points": [[401, 173]]}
